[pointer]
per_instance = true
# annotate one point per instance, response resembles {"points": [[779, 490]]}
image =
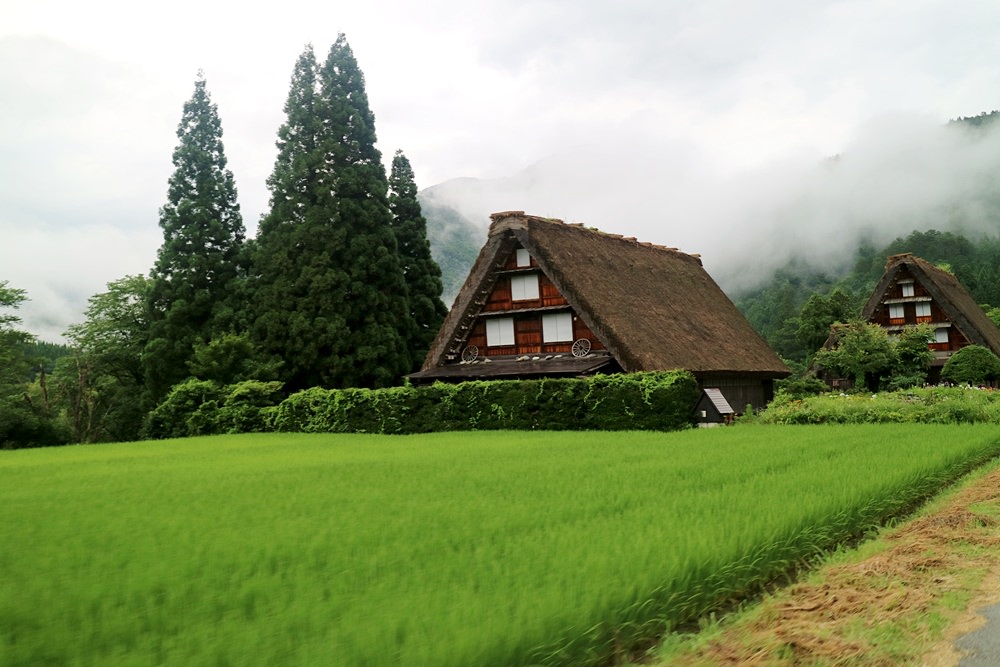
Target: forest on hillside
{"points": [[795, 308]]}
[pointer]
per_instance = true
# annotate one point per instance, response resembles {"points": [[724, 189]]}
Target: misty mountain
{"points": [[455, 242], [792, 227]]}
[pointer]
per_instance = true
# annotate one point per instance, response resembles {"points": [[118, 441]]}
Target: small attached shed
{"points": [[713, 408]]}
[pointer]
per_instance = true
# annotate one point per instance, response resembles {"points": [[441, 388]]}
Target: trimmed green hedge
{"points": [[660, 401], [634, 401]]}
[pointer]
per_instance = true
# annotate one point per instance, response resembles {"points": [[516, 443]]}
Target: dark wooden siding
{"points": [[549, 293], [740, 390], [528, 337], [527, 325]]}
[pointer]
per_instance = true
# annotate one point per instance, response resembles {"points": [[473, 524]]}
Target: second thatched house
{"points": [[914, 291], [549, 299]]}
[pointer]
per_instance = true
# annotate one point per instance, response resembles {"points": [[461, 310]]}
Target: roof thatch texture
{"points": [[654, 308], [945, 289]]}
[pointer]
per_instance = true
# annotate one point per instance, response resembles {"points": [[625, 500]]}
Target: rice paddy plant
{"points": [[498, 548]]}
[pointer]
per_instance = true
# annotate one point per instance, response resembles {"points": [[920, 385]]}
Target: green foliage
{"points": [[820, 313], [913, 357], [329, 291], [200, 407], [993, 314], [245, 406], [423, 276], [185, 410], [638, 401], [863, 352], [931, 405], [972, 364], [866, 354], [25, 415], [445, 550], [773, 308], [100, 384], [798, 387], [231, 358], [191, 294]]}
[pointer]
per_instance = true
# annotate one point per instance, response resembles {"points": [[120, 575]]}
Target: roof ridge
{"points": [[504, 220]]}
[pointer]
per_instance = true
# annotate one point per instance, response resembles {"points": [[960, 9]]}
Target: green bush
{"points": [[799, 387], [973, 364], [640, 401], [182, 412], [245, 405], [938, 405], [203, 407]]}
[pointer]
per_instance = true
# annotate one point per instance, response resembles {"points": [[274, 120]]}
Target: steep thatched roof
{"points": [[946, 291], [653, 308]]}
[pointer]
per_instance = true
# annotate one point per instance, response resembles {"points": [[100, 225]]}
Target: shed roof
{"points": [[719, 401]]}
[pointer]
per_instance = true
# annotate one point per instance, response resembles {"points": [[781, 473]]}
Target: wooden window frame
{"points": [[525, 287], [897, 313], [500, 332], [557, 327]]}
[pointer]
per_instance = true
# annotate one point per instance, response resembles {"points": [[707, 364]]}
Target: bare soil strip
{"points": [[902, 604]]}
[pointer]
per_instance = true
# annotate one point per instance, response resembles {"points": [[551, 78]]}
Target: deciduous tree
{"points": [[101, 381], [23, 423], [863, 353]]}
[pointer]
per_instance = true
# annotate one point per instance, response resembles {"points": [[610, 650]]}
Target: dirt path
{"points": [[902, 600]]}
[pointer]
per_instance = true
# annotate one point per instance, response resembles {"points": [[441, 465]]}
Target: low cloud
{"points": [[898, 174]]}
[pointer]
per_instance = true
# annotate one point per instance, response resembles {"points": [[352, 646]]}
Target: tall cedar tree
{"points": [[191, 285], [329, 290], [422, 274]]}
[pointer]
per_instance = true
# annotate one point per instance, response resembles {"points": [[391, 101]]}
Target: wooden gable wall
{"points": [[899, 308], [526, 314]]}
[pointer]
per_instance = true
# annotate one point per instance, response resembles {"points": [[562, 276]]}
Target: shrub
{"points": [[641, 401], [244, 406], [940, 405], [202, 407], [973, 364], [181, 412], [799, 387]]}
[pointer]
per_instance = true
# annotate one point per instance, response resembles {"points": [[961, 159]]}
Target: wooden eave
{"points": [[563, 366]]}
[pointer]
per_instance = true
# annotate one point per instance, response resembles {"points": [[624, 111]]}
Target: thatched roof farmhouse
{"points": [[549, 299], [914, 291]]}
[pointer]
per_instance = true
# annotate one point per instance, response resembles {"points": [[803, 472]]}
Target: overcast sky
{"points": [[666, 103]]}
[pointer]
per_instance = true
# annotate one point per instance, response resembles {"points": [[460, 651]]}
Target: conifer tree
{"points": [[421, 272], [328, 285], [191, 284]]}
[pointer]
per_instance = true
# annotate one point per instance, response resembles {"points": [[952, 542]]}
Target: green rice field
{"points": [[453, 549]]}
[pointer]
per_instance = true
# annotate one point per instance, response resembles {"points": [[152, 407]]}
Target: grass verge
{"points": [[900, 599]]}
